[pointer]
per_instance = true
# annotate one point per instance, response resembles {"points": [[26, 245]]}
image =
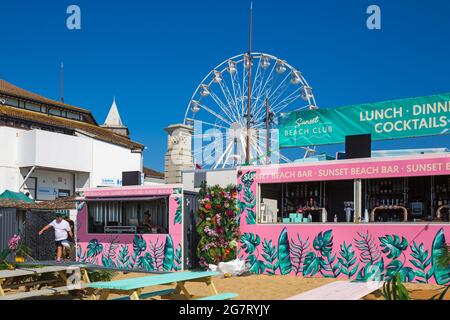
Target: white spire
{"points": [[113, 119]]}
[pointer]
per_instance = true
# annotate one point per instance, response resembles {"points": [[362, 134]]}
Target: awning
{"points": [[122, 199]]}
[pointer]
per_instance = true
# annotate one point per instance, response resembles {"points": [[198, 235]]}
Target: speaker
{"points": [[131, 178], [358, 146]]}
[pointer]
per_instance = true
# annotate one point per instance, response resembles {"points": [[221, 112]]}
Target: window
{"points": [[129, 217], [32, 106], [72, 115], [11, 102], [54, 112]]}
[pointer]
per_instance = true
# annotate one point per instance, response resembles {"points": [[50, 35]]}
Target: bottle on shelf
{"points": [[335, 218]]}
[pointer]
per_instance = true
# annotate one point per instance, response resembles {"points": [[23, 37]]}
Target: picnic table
{"points": [[14, 278], [133, 288]]}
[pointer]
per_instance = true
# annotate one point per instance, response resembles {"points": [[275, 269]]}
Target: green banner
{"points": [[413, 117]]}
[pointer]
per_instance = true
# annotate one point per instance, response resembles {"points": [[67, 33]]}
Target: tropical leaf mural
{"points": [[179, 211], [145, 262], [347, 260], [178, 258], [124, 257], [421, 261], [441, 274], [393, 246], [158, 250], [284, 259], [109, 254], [369, 249], [270, 255], [249, 198], [298, 251], [250, 241], [168, 264]]}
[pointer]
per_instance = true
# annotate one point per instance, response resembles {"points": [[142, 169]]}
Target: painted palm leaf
{"points": [[284, 258], [438, 251], [250, 241], [168, 254], [393, 246]]}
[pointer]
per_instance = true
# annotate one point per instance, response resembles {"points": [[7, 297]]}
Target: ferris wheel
{"points": [[218, 110]]}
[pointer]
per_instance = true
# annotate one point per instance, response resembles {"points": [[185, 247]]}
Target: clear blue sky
{"points": [[152, 54]]}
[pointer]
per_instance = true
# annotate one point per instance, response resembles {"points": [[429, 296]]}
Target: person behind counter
{"points": [[149, 227]]}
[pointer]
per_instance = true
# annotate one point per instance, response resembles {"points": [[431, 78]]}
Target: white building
{"points": [[49, 148]]}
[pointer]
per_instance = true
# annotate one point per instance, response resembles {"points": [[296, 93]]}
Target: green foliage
{"points": [[218, 224], [393, 246], [347, 260], [179, 211], [441, 296], [270, 255], [250, 241], [178, 258], [145, 262], [393, 289], [94, 248], [439, 255], [311, 264], [168, 254], [284, 259], [256, 266], [371, 272], [367, 246], [109, 254], [323, 243], [249, 198], [100, 275], [158, 250], [124, 258], [421, 261], [139, 245], [298, 252]]}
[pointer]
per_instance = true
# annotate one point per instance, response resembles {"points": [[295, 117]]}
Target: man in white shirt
{"points": [[62, 231]]}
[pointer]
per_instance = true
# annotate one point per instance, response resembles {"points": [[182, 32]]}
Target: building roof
{"points": [[86, 128], [10, 89], [113, 118], [66, 203], [150, 173]]}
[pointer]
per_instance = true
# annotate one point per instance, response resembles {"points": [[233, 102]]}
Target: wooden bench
{"points": [[43, 292], [147, 295], [340, 290], [222, 296]]}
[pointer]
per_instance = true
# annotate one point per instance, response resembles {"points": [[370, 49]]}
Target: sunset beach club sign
{"points": [[405, 118]]}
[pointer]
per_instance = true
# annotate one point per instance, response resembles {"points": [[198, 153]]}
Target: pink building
{"points": [[358, 219], [132, 227]]}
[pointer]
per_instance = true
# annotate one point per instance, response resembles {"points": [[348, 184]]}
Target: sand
{"points": [[265, 287], [252, 287]]}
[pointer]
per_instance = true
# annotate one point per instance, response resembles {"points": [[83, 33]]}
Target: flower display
{"points": [[217, 227], [14, 242]]}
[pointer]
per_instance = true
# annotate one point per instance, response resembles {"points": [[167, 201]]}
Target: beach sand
{"points": [[264, 287]]}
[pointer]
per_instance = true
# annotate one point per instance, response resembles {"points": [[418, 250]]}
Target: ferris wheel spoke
{"points": [[215, 114], [212, 124], [219, 161], [287, 100], [222, 106], [270, 80], [234, 76], [230, 100]]}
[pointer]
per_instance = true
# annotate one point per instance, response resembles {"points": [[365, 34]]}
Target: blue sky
{"points": [[152, 54]]}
